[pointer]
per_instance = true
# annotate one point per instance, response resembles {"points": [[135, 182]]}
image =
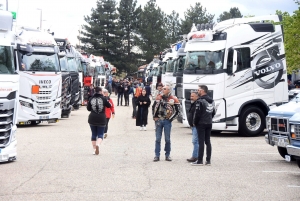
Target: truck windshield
{"points": [[39, 61], [72, 64], [163, 67], [84, 68], [79, 65], [179, 64], [170, 66], [204, 60], [63, 64], [100, 70], [6, 60]]}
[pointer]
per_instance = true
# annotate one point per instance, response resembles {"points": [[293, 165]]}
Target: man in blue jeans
{"points": [[164, 110], [191, 115]]}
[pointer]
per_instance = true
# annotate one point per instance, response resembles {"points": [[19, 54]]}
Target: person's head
{"points": [[105, 92], [159, 86], [194, 96], [91, 86], [202, 90], [98, 90], [144, 92], [166, 90]]}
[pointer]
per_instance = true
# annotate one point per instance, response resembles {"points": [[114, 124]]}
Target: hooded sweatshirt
{"points": [[205, 110]]}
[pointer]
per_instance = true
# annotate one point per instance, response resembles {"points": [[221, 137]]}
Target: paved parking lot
{"points": [[55, 162]]}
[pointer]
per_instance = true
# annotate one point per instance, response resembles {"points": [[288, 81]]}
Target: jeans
{"points": [[97, 131], [120, 95], [204, 131], [134, 107], [195, 142], [106, 127], [160, 125]]}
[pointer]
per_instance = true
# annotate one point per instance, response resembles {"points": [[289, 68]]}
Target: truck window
{"points": [[243, 58], [229, 61]]}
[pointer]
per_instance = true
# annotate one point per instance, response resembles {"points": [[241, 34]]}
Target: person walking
{"points": [[164, 110], [120, 92], [143, 102], [97, 118], [126, 92], [91, 91], [191, 115], [109, 112], [205, 111]]}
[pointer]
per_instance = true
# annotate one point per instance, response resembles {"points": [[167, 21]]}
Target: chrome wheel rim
{"points": [[253, 121]]}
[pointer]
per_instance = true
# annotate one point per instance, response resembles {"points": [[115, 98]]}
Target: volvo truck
{"points": [[40, 77], [9, 90], [242, 62]]}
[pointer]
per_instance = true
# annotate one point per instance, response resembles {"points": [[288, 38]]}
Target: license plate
{"points": [[44, 117], [287, 158]]}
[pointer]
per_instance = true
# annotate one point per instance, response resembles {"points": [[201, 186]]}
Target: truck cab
{"points": [[9, 90]]}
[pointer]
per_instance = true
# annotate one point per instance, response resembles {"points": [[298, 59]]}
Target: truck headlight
{"points": [[292, 128], [293, 134], [56, 104], [26, 104], [268, 122], [13, 136]]}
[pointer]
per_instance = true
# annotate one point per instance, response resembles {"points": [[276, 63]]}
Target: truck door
{"points": [[239, 79]]}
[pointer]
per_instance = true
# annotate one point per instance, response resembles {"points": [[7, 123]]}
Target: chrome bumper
{"points": [[292, 150], [278, 140]]}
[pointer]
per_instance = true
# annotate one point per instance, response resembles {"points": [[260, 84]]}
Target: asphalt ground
{"points": [[55, 162]]}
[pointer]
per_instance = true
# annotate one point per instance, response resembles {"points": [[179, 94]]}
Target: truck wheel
{"points": [[298, 162], [282, 151], [252, 121]]}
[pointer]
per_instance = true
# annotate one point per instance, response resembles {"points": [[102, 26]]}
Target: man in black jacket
{"points": [[205, 111], [120, 92]]}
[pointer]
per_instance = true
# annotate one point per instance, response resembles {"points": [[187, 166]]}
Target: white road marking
{"points": [[267, 161], [256, 153], [293, 186], [274, 171]]}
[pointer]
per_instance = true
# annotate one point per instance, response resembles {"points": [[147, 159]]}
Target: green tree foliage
{"points": [[172, 26], [152, 32], [129, 15], [291, 24], [101, 35], [233, 13], [198, 15]]}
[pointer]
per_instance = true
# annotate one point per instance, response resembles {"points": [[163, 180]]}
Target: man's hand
{"points": [[141, 103], [145, 102], [155, 118]]}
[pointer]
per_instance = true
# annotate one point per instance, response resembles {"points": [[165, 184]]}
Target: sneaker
{"points": [[207, 163], [156, 158], [145, 128], [168, 158], [141, 128], [105, 135], [94, 153], [97, 150], [192, 159], [197, 164]]}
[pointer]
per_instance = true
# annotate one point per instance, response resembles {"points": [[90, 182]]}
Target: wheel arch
{"points": [[256, 102]]}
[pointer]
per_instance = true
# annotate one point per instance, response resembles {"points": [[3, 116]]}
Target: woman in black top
{"points": [[143, 102], [97, 118]]}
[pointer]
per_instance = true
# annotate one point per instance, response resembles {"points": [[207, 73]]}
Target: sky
{"points": [[64, 17]]}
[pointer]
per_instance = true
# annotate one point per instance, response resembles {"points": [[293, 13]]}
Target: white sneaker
{"points": [[141, 128], [145, 128]]}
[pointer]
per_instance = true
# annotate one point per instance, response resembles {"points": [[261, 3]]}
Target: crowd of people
{"points": [[165, 109]]}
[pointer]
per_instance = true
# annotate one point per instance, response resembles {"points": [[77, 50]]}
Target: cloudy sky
{"points": [[64, 17]]}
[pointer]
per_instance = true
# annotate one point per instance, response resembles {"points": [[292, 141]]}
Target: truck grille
{"points": [[40, 98], [297, 131], [6, 119], [4, 142], [44, 108], [44, 92], [279, 125], [6, 112]]}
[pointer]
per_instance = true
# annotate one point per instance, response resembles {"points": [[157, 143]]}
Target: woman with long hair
{"points": [[143, 102]]}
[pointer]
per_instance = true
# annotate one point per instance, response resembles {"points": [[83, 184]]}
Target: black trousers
{"points": [[126, 97], [134, 107], [120, 96], [106, 127], [204, 131]]}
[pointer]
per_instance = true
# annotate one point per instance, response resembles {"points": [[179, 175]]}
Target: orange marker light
{"points": [[293, 135], [35, 89]]}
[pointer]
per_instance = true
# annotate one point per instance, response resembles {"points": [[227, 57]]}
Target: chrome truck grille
{"points": [[278, 125], [297, 131], [6, 119]]}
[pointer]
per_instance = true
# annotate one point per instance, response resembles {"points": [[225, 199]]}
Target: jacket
{"points": [[96, 106], [165, 107], [121, 88], [191, 114], [111, 110], [205, 110]]}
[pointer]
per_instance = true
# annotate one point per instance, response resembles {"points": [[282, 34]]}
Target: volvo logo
{"points": [[45, 82]]}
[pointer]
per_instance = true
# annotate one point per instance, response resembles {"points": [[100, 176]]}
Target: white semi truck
{"points": [[40, 77], [9, 90], [242, 61]]}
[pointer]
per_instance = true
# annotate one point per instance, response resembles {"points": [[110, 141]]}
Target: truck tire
{"points": [[252, 121], [282, 151], [298, 162]]}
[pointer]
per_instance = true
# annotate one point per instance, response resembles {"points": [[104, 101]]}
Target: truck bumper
{"points": [[9, 153], [277, 140], [293, 151]]}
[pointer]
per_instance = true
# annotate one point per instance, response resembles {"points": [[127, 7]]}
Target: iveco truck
{"points": [[242, 62], [9, 90], [40, 77]]}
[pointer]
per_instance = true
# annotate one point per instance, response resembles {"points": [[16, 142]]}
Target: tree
{"points": [[172, 27], [129, 15], [291, 24], [233, 13], [197, 15], [101, 35], [152, 33]]}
